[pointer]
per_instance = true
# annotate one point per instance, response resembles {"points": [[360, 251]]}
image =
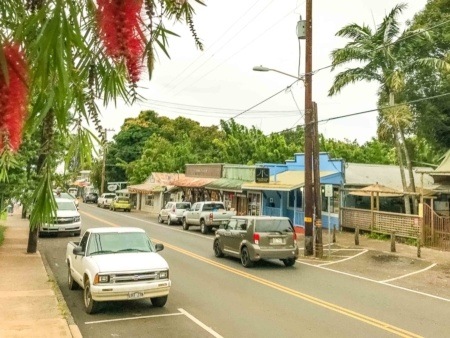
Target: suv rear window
{"points": [[183, 205], [273, 225]]}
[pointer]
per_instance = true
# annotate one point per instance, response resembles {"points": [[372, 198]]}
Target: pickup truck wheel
{"points": [[185, 225], [288, 261], [70, 282], [245, 258], [159, 301], [203, 228], [90, 305], [217, 251]]}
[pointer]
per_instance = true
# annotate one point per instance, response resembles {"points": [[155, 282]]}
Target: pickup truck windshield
{"points": [[119, 242]]}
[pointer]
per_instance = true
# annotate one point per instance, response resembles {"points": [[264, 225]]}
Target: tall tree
{"points": [[386, 55], [62, 55]]}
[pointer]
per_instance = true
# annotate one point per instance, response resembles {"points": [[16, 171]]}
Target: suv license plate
{"points": [[135, 295], [277, 241]]}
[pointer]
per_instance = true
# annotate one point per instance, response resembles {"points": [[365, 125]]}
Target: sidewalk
{"points": [[29, 305]]}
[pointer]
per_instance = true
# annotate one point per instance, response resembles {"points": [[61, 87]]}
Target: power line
{"points": [[367, 111]]}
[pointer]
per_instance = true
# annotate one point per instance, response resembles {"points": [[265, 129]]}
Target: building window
{"points": [[149, 200], [295, 199]]}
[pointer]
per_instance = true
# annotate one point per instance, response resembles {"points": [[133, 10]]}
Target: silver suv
{"points": [[173, 212], [252, 238]]}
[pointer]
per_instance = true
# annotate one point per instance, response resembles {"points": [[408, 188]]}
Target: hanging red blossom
{"points": [[120, 31], [13, 96]]}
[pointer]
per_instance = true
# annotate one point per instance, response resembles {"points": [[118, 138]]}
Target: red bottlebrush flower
{"points": [[120, 31], [13, 95]]}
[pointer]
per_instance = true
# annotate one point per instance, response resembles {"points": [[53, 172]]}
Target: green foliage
{"points": [[2, 234]]}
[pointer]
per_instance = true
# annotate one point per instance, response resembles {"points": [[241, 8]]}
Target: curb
{"points": [[74, 329]]}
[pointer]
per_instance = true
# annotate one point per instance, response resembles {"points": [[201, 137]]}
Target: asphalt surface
{"points": [[32, 305]]}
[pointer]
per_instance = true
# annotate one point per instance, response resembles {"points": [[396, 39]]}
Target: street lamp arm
{"points": [[265, 69]]}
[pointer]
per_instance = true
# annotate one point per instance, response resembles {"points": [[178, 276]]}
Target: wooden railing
{"points": [[436, 229], [408, 226]]}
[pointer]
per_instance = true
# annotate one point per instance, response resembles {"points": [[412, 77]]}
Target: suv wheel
{"points": [[159, 301], [288, 261], [245, 258], [203, 228], [216, 247], [160, 220], [185, 225]]}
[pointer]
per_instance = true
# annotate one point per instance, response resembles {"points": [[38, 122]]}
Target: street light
{"points": [[309, 156], [265, 69]]}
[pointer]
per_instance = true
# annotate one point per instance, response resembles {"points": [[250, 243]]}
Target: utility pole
{"points": [[317, 190], [104, 142], [309, 199]]}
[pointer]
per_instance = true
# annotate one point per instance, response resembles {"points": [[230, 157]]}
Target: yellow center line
{"points": [[333, 307]]}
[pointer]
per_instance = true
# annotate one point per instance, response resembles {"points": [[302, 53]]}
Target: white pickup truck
{"points": [[117, 263], [208, 215], [105, 199]]}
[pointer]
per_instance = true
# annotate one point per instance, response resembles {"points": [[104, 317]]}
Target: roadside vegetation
{"points": [[2, 234], [77, 56]]}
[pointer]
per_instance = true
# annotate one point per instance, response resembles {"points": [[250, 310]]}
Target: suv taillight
{"points": [[294, 237], [256, 238]]}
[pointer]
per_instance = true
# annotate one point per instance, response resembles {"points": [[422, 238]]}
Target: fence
{"points": [[436, 229], [408, 226]]}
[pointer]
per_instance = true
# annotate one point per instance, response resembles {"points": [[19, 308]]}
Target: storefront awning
{"points": [[148, 188], [193, 182], [226, 184], [285, 181]]}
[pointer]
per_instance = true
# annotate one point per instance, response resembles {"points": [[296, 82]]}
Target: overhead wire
{"points": [[221, 47], [234, 54]]}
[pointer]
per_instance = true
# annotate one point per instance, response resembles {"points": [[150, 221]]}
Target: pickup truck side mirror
{"points": [[78, 250], [159, 247]]}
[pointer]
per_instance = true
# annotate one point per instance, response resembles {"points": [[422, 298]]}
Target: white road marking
{"points": [[131, 318], [199, 323], [376, 281], [408, 274], [345, 259]]}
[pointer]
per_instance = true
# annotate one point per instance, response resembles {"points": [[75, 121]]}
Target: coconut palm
{"points": [[385, 55]]}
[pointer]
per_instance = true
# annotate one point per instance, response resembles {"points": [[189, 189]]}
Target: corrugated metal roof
{"points": [[285, 181], [193, 182], [156, 182], [361, 175], [148, 188], [227, 184]]}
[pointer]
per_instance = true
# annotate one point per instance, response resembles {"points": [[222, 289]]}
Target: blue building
{"points": [[282, 194]]}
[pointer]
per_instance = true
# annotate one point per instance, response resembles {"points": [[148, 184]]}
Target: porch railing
{"points": [[436, 229]]}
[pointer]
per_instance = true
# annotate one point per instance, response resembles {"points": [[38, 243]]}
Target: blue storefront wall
{"points": [[276, 202]]}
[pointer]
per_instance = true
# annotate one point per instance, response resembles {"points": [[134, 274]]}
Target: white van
{"points": [[68, 219]]}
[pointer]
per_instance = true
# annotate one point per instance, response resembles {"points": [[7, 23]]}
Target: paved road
{"points": [[218, 297]]}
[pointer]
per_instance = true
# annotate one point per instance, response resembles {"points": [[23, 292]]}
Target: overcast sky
{"points": [[219, 82]]}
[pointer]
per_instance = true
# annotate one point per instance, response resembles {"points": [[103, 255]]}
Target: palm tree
{"points": [[386, 55]]}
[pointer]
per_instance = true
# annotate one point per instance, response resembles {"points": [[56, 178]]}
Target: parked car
{"points": [[66, 220], [104, 201], [92, 197], [173, 212], [252, 238], [120, 202], [116, 264], [208, 215]]}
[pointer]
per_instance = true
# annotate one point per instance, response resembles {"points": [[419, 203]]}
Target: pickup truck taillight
{"points": [[294, 237], [211, 216], [256, 238]]}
